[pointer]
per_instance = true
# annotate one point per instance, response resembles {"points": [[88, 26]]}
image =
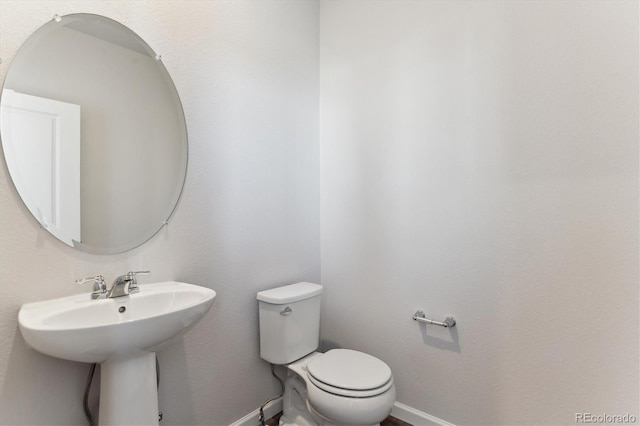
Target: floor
{"points": [[389, 421]]}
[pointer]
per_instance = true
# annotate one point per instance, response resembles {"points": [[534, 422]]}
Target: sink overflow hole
{"points": [[121, 309]]}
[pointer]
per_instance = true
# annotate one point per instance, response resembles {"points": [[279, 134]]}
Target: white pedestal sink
{"points": [[122, 334]]}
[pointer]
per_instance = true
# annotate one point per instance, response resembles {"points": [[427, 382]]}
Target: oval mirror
{"points": [[93, 133]]}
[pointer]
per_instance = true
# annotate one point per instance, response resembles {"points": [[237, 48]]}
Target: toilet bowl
{"points": [[339, 387], [309, 401]]}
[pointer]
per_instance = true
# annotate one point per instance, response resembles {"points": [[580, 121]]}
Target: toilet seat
{"points": [[349, 392], [350, 373]]}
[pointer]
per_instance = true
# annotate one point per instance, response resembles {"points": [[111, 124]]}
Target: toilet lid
{"points": [[348, 369]]}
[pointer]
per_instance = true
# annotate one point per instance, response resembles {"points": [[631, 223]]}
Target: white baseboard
{"points": [[252, 419], [399, 411], [416, 417]]}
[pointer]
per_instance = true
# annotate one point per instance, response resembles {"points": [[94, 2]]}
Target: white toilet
{"points": [[339, 387]]}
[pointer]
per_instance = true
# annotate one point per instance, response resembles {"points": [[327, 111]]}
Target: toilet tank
{"points": [[289, 322]]}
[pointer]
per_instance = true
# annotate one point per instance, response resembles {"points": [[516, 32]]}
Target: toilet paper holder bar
{"points": [[421, 317]]}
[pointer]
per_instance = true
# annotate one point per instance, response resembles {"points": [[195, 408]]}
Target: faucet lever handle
{"points": [[99, 286], [134, 273], [97, 278]]}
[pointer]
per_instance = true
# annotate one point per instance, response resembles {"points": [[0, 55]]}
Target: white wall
{"points": [[480, 159], [247, 73]]}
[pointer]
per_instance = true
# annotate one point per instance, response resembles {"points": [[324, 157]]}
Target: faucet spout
{"points": [[126, 284], [120, 287]]}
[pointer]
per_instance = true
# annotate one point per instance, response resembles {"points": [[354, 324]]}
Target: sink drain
{"points": [[121, 309]]}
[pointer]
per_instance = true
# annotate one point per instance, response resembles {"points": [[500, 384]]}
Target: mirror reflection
{"points": [[93, 133]]}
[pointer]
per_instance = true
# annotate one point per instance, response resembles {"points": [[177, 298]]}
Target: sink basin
{"points": [[122, 334], [78, 328]]}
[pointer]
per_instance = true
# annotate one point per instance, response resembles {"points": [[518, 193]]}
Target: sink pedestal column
{"points": [[128, 390]]}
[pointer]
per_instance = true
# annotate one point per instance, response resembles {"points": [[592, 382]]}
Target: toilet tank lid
{"points": [[290, 293]]}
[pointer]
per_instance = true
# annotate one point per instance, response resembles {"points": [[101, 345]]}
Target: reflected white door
{"points": [[41, 141]]}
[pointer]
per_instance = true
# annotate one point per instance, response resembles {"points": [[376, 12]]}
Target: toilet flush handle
{"points": [[286, 311]]}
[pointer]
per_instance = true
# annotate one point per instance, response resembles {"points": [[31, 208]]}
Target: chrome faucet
{"points": [[126, 284]]}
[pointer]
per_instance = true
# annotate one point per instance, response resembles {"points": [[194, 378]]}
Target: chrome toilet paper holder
{"points": [[421, 317]]}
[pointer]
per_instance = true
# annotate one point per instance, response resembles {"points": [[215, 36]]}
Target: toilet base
{"points": [[294, 404]]}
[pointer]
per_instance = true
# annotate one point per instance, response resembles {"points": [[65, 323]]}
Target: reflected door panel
{"points": [[45, 171]]}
